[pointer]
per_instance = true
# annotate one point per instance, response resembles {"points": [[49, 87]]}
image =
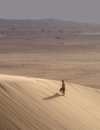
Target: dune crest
{"points": [[37, 104]]}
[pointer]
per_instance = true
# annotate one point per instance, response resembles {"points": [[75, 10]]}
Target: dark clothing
{"points": [[63, 87]]}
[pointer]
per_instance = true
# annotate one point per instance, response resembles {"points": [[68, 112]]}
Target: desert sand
{"points": [[34, 57], [51, 50], [37, 104]]}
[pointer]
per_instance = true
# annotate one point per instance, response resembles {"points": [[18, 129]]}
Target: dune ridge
{"points": [[37, 104]]}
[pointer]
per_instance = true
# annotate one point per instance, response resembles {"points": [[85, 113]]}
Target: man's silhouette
{"points": [[63, 87]]}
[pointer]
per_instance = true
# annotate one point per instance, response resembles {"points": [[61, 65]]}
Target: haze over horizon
{"points": [[87, 11]]}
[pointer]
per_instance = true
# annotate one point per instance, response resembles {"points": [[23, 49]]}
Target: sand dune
{"points": [[37, 104]]}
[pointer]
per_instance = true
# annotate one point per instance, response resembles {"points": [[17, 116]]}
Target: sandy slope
{"points": [[37, 104]]}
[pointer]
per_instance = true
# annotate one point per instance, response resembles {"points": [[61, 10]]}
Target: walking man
{"points": [[63, 87]]}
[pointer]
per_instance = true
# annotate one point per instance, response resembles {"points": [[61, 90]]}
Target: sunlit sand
{"points": [[37, 104]]}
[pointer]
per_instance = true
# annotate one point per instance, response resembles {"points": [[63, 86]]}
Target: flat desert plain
{"points": [[69, 52], [34, 58]]}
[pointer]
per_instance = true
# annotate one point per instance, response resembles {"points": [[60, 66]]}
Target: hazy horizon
{"points": [[86, 11]]}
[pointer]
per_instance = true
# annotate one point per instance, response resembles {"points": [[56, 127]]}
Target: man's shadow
{"points": [[53, 96]]}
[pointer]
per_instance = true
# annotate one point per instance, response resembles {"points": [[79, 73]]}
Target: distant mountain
{"points": [[57, 21], [42, 21]]}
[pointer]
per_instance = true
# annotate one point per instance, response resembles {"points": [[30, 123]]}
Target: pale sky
{"points": [[70, 10]]}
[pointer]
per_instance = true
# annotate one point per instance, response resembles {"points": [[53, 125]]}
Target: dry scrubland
{"points": [[46, 54]]}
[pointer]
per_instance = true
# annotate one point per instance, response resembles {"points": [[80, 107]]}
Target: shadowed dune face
{"points": [[32, 103]]}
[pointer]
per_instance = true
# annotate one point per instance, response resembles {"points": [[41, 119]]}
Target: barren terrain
{"points": [[34, 57], [54, 51], [37, 104]]}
